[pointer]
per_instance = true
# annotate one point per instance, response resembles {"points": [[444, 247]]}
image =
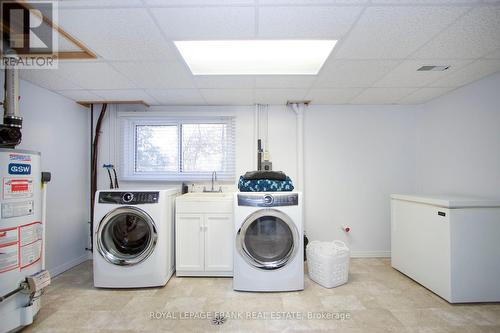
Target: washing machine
{"points": [[133, 238], [268, 238]]}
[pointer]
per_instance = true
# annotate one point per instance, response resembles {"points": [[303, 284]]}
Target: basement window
{"points": [[177, 148]]}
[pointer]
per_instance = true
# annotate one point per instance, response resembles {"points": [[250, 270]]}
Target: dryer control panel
{"points": [[268, 200], [128, 198]]}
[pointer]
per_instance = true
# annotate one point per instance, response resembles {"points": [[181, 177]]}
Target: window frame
{"points": [[128, 148]]}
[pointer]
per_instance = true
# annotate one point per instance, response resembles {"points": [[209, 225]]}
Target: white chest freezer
{"points": [[449, 244]]}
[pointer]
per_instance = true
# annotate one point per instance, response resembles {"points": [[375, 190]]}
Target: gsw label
{"points": [[19, 169]]}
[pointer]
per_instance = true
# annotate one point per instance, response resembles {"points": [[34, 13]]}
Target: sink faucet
{"points": [[214, 179]]}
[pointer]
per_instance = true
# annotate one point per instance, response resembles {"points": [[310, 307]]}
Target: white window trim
{"points": [[126, 143]]}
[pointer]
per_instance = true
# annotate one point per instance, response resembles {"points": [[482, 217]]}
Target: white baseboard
{"points": [[70, 264], [88, 256], [370, 254]]}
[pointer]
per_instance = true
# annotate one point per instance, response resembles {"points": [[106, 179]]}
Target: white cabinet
{"points": [[219, 243], [448, 244], [189, 242], [204, 236]]}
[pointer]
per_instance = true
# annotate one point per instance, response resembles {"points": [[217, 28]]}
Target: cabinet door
{"points": [[219, 242], [189, 242]]}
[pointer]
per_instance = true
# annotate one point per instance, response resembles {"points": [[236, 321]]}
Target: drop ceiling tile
{"points": [[306, 22], [47, 78], [424, 2], [93, 75], [472, 72], [177, 96], [156, 75], [124, 95], [332, 95], [382, 95], [493, 55], [406, 74], [200, 23], [424, 95], [166, 3], [278, 96], [79, 95], [224, 81], [64, 45], [228, 96], [473, 35], [394, 32], [284, 81], [63, 4], [118, 34], [353, 73], [311, 2]]}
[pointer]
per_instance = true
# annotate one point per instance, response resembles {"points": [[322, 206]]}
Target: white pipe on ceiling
{"points": [[299, 108]]}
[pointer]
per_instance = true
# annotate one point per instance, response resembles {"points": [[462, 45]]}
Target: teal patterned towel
{"points": [[265, 185]]}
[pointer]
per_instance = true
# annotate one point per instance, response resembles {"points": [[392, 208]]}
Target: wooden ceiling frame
{"points": [[84, 54], [88, 103]]}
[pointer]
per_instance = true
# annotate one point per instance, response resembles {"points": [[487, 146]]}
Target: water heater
{"points": [[22, 274]]}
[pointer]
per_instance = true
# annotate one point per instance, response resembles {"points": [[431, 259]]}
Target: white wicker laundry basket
{"points": [[328, 263]]}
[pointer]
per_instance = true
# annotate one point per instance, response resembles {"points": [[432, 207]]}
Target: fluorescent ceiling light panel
{"points": [[255, 57]]}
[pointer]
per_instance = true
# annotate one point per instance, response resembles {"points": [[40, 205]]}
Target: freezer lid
{"points": [[448, 201]]}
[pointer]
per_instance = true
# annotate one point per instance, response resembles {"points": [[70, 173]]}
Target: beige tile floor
{"points": [[376, 299]]}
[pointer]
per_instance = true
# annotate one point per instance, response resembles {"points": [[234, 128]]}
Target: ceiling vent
{"points": [[433, 68]]}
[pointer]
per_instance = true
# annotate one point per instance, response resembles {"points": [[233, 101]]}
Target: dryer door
{"points": [[268, 239], [126, 236]]}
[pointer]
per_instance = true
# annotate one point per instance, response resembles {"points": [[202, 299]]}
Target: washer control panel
{"points": [[268, 200], [128, 198]]}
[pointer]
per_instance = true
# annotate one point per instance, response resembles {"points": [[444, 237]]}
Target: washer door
{"points": [[126, 236], [268, 239]]}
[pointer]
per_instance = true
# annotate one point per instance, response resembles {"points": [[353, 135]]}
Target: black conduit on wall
{"points": [[91, 205], [93, 167]]}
